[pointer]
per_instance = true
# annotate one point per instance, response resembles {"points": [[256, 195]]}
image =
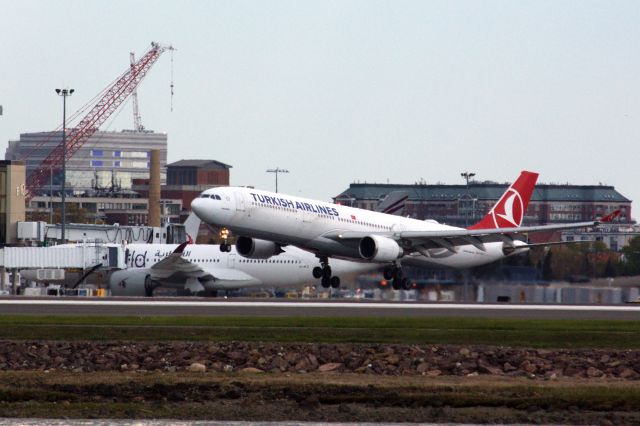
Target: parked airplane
{"points": [[266, 222], [203, 267]]}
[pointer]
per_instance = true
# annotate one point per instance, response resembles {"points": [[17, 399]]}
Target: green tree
{"points": [[547, 268], [631, 254], [609, 269]]}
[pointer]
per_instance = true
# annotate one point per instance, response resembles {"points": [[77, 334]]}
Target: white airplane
{"points": [[266, 222], [203, 267]]}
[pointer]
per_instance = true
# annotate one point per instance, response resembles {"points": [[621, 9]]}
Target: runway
{"points": [[307, 308]]}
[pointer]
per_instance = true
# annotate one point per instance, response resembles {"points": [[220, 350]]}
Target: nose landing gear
{"points": [[225, 247]]}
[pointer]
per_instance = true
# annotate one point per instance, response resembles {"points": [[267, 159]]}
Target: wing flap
{"points": [[452, 238], [229, 275]]}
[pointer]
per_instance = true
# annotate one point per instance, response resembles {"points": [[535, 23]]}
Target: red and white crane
{"points": [[112, 98]]}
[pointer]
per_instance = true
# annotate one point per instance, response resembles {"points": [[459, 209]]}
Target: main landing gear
{"points": [[393, 273], [225, 247], [323, 272]]}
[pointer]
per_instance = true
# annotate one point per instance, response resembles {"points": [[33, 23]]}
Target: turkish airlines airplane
{"points": [[266, 222]]}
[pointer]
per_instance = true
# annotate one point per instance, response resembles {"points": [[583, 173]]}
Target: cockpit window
{"points": [[217, 196], [204, 196]]}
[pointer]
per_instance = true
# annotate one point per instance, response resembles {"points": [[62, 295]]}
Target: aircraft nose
{"points": [[200, 207]]}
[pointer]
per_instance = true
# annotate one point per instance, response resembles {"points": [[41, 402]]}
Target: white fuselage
{"points": [[289, 269], [306, 223]]}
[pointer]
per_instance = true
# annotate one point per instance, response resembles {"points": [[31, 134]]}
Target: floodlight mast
{"points": [[276, 171]]}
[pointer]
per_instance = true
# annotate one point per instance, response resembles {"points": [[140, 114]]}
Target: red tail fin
{"points": [[610, 216], [509, 211]]}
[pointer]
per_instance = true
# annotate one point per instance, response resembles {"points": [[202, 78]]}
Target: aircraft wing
{"points": [[176, 268], [450, 239]]}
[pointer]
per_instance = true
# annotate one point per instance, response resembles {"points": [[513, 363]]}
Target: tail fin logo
{"points": [[509, 211]]}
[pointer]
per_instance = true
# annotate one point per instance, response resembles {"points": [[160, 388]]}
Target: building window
{"points": [[97, 153], [96, 163]]}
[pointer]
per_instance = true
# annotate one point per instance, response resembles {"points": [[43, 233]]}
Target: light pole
{"points": [[64, 93], [50, 193], [276, 171], [467, 176]]}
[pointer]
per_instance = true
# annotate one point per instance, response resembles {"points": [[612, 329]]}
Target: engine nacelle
{"points": [[254, 248], [515, 247], [379, 249], [131, 282]]}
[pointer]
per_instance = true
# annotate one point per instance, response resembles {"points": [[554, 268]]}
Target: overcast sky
{"points": [[344, 91]]}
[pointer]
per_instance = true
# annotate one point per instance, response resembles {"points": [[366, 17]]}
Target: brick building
{"points": [[186, 179], [456, 205]]}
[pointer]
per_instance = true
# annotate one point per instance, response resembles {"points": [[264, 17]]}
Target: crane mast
{"points": [[113, 97], [137, 119]]}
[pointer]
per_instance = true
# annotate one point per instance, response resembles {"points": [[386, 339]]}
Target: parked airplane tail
{"points": [[393, 203], [610, 217], [191, 227], [509, 211]]}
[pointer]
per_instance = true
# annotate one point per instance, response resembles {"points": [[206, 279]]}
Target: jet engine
{"points": [[253, 248], [132, 282], [515, 247], [379, 249]]}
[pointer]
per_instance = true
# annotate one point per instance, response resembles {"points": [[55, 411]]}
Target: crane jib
{"points": [[112, 98]]}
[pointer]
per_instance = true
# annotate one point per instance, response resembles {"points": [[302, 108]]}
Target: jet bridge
{"points": [[79, 257], [50, 263]]}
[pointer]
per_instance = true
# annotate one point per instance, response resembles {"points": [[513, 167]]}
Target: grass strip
{"points": [[502, 332], [319, 397]]}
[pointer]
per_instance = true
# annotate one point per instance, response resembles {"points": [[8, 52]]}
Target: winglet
{"points": [[509, 211], [609, 218], [181, 247]]}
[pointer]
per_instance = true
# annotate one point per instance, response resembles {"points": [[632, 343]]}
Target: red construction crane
{"points": [[113, 97]]}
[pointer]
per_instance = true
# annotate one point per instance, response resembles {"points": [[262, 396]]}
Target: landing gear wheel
{"points": [[397, 274], [397, 278], [396, 283], [326, 272], [225, 248], [388, 272], [406, 284], [325, 282], [335, 282], [317, 272]]}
